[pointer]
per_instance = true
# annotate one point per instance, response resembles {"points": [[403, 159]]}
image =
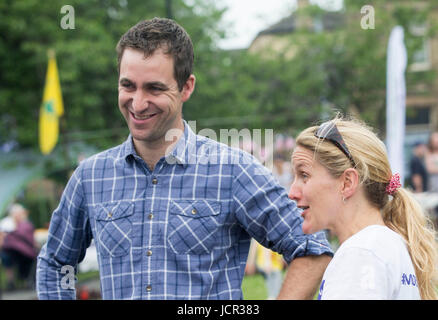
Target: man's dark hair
{"points": [[165, 34]]}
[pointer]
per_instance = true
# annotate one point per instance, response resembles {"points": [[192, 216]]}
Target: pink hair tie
{"points": [[393, 185]]}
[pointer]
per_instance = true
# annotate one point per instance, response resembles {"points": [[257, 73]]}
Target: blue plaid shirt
{"points": [[181, 231]]}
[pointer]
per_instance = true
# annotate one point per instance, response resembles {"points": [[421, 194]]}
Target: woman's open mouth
{"points": [[304, 208]]}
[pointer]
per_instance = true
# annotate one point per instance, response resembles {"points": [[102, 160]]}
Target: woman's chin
{"points": [[307, 228]]}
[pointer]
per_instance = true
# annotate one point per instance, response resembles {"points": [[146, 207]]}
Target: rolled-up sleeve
{"points": [[69, 237], [270, 217]]}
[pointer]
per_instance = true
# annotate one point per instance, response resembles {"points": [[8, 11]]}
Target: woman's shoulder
{"points": [[383, 242]]}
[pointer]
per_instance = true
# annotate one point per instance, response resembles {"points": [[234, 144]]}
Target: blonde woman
{"points": [[343, 183]]}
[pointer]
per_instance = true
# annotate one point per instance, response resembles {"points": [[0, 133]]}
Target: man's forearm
{"points": [[303, 277], [51, 282]]}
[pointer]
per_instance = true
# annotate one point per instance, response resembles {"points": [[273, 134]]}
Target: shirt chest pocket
{"points": [[114, 228], [193, 226]]}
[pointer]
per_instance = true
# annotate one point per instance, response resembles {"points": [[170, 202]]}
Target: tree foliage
{"points": [[86, 61], [342, 69]]}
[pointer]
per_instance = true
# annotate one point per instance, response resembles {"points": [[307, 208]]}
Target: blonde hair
{"points": [[402, 213]]}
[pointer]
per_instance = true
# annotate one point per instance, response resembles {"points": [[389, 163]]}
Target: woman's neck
{"points": [[355, 218]]}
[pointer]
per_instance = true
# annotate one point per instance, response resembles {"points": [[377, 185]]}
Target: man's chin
{"points": [[142, 138]]}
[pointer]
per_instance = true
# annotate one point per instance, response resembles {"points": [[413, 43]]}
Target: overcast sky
{"points": [[247, 18]]}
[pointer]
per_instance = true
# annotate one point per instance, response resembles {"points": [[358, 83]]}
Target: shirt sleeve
{"points": [[69, 237], [356, 274], [269, 216]]}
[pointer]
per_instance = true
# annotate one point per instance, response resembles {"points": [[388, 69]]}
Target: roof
{"points": [[285, 25], [19, 167], [328, 21], [16, 170]]}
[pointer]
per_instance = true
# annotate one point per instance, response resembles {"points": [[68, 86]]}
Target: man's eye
{"points": [[127, 85]]}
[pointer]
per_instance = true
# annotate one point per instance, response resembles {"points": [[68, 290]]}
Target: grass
{"points": [[84, 276], [254, 288]]}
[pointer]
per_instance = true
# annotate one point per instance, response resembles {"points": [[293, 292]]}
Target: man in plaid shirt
{"points": [[172, 213]]}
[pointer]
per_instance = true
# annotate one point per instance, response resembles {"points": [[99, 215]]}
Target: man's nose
{"points": [[140, 102]]}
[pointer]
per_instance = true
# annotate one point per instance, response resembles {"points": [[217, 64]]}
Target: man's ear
{"points": [[188, 88], [350, 182]]}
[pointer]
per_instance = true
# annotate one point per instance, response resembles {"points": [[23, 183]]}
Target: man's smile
{"points": [[142, 117]]}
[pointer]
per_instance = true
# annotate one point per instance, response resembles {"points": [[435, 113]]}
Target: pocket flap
{"points": [[114, 210], [195, 208]]}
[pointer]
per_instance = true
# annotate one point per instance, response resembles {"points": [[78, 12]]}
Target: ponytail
{"points": [[404, 215]]}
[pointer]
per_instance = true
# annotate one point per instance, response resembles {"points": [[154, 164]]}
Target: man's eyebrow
{"points": [[147, 85], [125, 80], [158, 84]]}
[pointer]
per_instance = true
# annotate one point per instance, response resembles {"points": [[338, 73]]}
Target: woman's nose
{"points": [[294, 192]]}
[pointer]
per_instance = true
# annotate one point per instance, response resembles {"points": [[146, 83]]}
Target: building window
{"points": [[417, 115], [421, 57]]}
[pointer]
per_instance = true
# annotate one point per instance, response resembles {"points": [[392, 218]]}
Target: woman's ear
{"points": [[350, 182]]}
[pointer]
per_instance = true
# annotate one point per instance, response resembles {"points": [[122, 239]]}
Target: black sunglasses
{"points": [[330, 132]]}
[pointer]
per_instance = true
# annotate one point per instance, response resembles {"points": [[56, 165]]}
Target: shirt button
{"points": [[149, 253], [151, 216], [110, 214], [194, 211], [149, 288], [154, 181]]}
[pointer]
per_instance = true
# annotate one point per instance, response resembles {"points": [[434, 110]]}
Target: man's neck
{"points": [[152, 151]]}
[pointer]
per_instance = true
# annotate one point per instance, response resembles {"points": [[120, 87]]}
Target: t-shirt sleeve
{"points": [[356, 274]]}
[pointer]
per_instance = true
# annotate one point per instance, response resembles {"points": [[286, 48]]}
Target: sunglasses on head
{"points": [[330, 132]]}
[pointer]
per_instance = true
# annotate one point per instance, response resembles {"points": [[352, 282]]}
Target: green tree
{"points": [[344, 68], [341, 69], [86, 61]]}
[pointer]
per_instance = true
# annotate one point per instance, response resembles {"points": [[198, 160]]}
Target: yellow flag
{"points": [[51, 109]]}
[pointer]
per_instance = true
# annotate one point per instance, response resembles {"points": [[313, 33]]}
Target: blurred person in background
{"points": [[269, 264], [343, 182], [419, 175], [282, 170], [18, 248], [432, 167], [432, 162]]}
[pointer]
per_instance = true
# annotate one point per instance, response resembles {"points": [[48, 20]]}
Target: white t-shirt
{"points": [[373, 264]]}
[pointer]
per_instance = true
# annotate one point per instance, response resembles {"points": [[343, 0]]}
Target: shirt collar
{"points": [[181, 151], [179, 154]]}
